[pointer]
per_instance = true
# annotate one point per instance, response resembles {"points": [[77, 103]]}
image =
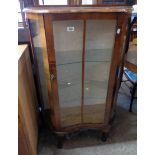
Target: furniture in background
{"points": [[130, 64], [79, 51], [131, 51], [27, 105], [130, 70], [132, 78]]}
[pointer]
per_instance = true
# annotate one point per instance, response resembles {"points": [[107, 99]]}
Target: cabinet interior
{"points": [[83, 82]]}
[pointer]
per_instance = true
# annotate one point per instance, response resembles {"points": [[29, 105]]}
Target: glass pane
{"points": [[114, 1], [20, 17], [53, 2], [85, 2], [68, 42], [38, 49], [19, 9], [99, 47]]}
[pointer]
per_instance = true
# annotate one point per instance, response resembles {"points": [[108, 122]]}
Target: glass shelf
{"points": [[68, 57], [94, 55], [98, 55]]}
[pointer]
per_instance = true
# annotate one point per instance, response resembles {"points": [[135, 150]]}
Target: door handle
{"points": [[53, 77]]}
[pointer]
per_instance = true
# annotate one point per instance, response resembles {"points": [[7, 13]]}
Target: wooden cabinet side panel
{"points": [[23, 148], [27, 103], [116, 61], [53, 84]]}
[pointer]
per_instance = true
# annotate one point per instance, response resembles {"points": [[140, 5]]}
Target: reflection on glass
{"points": [[68, 41], [53, 2], [38, 47], [114, 2], [83, 2], [99, 46], [87, 2]]}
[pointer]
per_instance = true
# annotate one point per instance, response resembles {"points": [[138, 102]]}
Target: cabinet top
{"points": [[49, 9], [21, 49]]}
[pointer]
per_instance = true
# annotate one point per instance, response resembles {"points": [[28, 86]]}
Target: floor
{"points": [[122, 139]]}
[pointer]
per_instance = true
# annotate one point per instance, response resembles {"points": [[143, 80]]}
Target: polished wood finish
{"points": [[130, 66], [83, 70], [23, 147], [55, 10], [55, 117], [116, 60], [27, 105], [119, 68], [50, 14], [74, 2], [32, 16], [77, 127]]}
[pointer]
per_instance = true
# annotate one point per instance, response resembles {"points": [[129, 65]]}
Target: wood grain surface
{"points": [[49, 9], [27, 112]]}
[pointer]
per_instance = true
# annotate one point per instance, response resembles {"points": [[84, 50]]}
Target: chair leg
{"points": [[132, 97]]}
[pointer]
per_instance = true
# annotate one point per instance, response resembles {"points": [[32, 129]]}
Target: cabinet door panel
{"points": [[68, 44], [100, 36]]}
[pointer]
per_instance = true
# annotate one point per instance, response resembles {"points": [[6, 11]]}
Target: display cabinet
{"points": [[78, 51]]}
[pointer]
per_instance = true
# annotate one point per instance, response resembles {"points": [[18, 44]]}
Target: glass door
{"points": [[100, 36], [68, 44]]}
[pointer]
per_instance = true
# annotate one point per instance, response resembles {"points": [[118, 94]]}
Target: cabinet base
{"points": [[63, 136], [69, 132]]}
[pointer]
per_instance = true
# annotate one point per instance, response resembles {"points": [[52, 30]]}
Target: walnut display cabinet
{"points": [[78, 52]]}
